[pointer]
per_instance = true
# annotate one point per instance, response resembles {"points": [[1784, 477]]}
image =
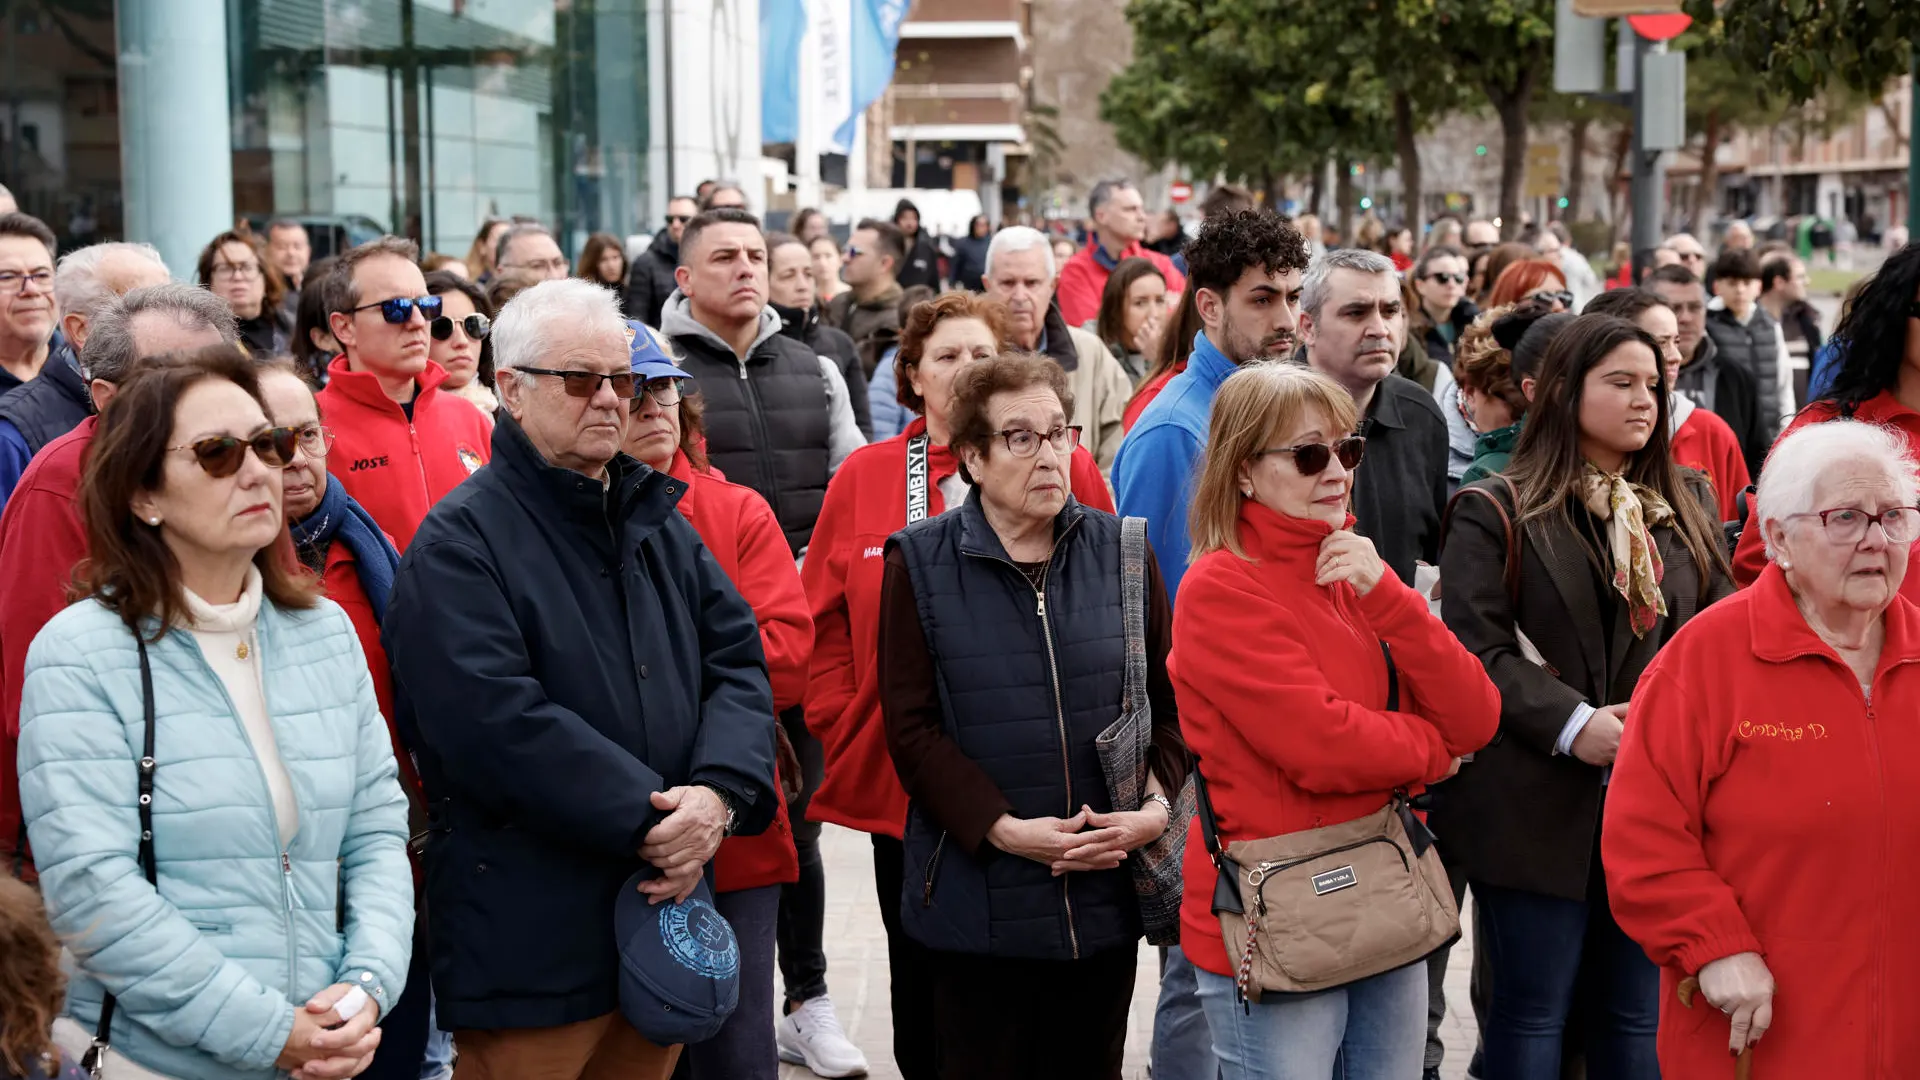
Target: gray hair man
{"points": [[530, 248], [778, 416], [1354, 322], [1119, 224], [588, 696], [85, 282], [1021, 274]]}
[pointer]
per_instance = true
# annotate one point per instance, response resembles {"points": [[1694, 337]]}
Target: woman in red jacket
{"points": [[880, 489], [664, 431], [1758, 837], [1282, 688]]}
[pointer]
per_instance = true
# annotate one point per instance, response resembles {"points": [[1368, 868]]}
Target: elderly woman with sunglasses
{"points": [[1759, 841], [459, 336], [1003, 656], [206, 778]]}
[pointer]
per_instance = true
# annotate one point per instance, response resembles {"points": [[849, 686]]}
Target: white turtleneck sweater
{"points": [[224, 632]]}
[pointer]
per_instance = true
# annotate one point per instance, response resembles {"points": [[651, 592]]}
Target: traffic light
{"points": [[1481, 150], [1562, 203], [1366, 202]]}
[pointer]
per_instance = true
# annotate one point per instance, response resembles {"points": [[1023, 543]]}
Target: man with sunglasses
{"points": [[586, 694], [41, 537], [778, 416], [401, 444], [650, 278], [869, 311], [1353, 323]]}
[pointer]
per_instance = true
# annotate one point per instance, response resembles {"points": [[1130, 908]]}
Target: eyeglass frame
{"points": [[463, 322], [412, 304], [558, 262], [1071, 431], [1445, 277], [633, 381], [1332, 448], [246, 444], [237, 271], [14, 282], [648, 388], [1871, 520], [308, 432]]}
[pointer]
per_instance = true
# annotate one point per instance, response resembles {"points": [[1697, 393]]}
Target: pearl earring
{"points": [[154, 521], [1785, 565], [1246, 493]]}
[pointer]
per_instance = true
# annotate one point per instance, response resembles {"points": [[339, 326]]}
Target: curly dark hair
{"points": [[1229, 244], [1872, 337], [31, 985]]}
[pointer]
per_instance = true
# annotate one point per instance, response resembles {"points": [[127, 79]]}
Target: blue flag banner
{"points": [[876, 32], [782, 24]]}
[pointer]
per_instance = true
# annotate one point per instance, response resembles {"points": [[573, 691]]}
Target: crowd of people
{"points": [[415, 666]]}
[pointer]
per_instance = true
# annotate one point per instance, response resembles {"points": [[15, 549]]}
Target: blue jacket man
{"points": [[569, 660], [1155, 470]]}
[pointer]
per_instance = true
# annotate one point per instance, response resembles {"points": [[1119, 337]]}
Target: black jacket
{"points": [[1400, 491], [923, 263], [1520, 816], [650, 280], [1756, 347], [51, 404], [1728, 391], [810, 328], [268, 334], [970, 262], [1436, 343], [560, 652], [769, 421]]}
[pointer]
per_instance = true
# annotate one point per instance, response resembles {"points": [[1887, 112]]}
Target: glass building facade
{"points": [[420, 117]]}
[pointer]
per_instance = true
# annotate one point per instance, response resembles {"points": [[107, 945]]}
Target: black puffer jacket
{"points": [[650, 280], [54, 403], [809, 327]]}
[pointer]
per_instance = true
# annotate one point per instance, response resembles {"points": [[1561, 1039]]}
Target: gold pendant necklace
{"points": [[241, 652]]}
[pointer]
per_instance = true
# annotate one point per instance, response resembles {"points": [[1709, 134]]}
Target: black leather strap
{"points": [[94, 1061]]}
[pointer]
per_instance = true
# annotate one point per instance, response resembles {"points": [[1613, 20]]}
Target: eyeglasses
{"points": [[1849, 526], [11, 282], [555, 265], [1692, 256], [679, 219], [585, 384], [1556, 296], [1024, 443], [664, 391], [475, 326], [1448, 279], [1311, 459], [400, 309], [314, 440], [854, 251], [236, 271], [222, 455]]}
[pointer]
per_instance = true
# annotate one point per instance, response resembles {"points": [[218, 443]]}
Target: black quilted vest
{"points": [[51, 404], [768, 423], [1024, 699]]}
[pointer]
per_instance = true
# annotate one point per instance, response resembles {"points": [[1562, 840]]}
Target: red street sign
{"points": [[1659, 27], [1180, 191]]}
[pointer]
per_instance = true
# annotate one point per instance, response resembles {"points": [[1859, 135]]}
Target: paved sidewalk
{"points": [[857, 971]]}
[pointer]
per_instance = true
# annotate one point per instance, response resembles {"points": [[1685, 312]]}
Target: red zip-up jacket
{"points": [[41, 540], [395, 467], [866, 503], [739, 528], [1706, 443], [1283, 693], [1751, 556], [1762, 803], [1083, 279]]}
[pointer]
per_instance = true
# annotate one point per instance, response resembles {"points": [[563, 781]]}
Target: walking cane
{"points": [[1743, 1068]]}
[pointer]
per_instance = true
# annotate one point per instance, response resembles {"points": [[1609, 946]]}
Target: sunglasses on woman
{"points": [[475, 326], [400, 308], [1311, 459], [221, 455], [1448, 279]]}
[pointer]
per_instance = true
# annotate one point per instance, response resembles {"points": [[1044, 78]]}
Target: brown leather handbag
{"points": [[1322, 908]]}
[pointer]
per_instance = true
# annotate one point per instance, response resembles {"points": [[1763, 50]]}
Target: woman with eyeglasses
{"points": [[879, 489], [665, 432], [1759, 839], [1287, 699], [234, 267], [206, 777], [1003, 656], [459, 336], [1567, 575]]}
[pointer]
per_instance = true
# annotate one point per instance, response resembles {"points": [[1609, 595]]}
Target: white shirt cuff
{"points": [[1581, 714]]}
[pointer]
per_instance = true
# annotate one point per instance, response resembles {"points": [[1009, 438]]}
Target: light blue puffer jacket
{"points": [[209, 971]]}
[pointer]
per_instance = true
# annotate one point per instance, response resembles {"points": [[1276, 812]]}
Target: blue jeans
{"points": [[438, 1064], [1374, 1029], [1544, 950], [1182, 1045]]}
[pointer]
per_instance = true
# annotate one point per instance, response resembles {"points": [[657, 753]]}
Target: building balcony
{"points": [[936, 19]]}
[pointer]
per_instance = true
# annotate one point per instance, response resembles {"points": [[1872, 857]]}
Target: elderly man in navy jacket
{"points": [[585, 692]]}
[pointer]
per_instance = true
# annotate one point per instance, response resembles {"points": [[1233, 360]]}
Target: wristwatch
{"points": [[733, 814], [1154, 796]]}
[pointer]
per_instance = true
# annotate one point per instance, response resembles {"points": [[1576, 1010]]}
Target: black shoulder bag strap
{"points": [[94, 1062]]}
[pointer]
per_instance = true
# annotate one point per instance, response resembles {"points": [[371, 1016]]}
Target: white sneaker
{"points": [[811, 1035]]}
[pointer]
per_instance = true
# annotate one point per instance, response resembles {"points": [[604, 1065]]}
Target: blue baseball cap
{"points": [[649, 360], [679, 963]]}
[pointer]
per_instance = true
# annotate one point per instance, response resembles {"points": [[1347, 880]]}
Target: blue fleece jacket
{"points": [[1158, 462]]}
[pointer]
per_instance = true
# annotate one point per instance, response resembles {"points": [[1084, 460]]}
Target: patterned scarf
{"points": [[1630, 512]]}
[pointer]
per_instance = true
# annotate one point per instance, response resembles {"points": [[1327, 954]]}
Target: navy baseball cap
{"points": [[679, 963], [649, 360]]}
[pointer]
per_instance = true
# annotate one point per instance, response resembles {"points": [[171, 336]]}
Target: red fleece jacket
{"points": [[1083, 279], [865, 504], [1706, 443]]}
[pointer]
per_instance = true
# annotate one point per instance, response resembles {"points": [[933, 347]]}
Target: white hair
{"points": [[77, 286], [1797, 464], [1313, 288], [533, 323], [1020, 238]]}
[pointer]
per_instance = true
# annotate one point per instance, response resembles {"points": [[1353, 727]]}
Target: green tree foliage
{"points": [[1505, 48], [1798, 48]]}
